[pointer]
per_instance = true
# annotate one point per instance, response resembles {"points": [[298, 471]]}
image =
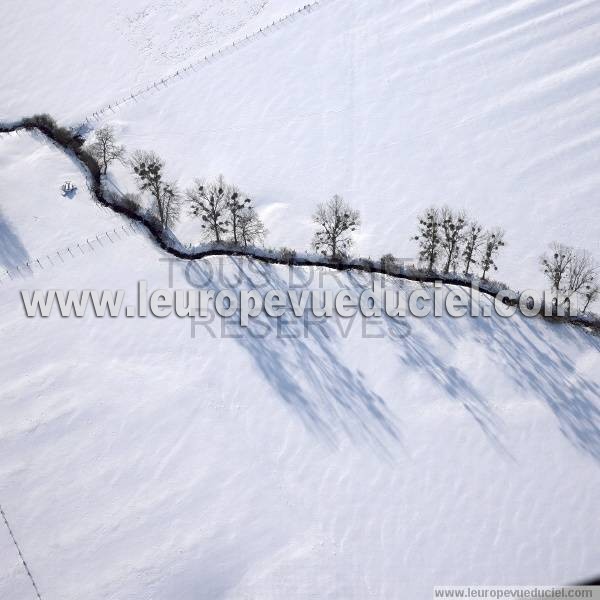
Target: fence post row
{"points": [[128, 230], [235, 43]]}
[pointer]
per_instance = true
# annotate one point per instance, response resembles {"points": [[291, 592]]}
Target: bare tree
{"points": [[429, 237], [210, 203], [105, 149], [556, 266], [251, 230], [473, 241], [148, 167], [451, 226], [494, 240], [336, 222], [236, 205], [571, 272], [169, 207], [590, 295], [582, 273]]}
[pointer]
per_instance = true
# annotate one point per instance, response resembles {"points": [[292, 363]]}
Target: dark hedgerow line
{"points": [[73, 143]]}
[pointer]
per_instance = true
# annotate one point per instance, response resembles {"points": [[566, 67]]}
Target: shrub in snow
{"points": [[68, 139], [368, 264], [388, 263], [63, 136], [287, 255], [131, 202]]}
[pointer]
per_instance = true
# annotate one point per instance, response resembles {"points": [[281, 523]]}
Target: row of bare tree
{"points": [[572, 273], [226, 214], [447, 239]]}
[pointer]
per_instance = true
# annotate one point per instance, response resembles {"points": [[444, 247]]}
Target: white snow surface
{"points": [[137, 461], [69, 57], [35, 208], [397, 106]]}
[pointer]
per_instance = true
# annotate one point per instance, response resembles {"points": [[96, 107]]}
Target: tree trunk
{"points": [[589, 298], [468, 263]]}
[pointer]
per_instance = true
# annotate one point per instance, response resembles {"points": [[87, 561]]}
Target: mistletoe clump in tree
{"points": [[452, 226], [246, 227], [446, 235], [336, 222], [149, 169], [473, 239], [493, 241], [429, 237], [209, 202], [226, 213], [242, 216], [571, 272]]}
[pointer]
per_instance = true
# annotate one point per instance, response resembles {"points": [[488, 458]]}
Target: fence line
{"points": [[207, 59], [60, 256], [25, 565]]}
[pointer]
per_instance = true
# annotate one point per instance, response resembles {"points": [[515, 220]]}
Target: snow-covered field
{"points": [[29, 228], [140, 461], [67, 58], [395, 105]]}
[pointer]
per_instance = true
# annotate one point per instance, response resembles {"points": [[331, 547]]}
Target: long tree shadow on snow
{"points": [[418, 354], [550, 374], [331, 398], [539, 368], [525, 349], [12, 252], [300, 361]]}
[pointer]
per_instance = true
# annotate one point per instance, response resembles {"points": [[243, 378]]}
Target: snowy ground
{"points": [[68, 58], [34, 209], [137, 461], [394, 105], [465, 451]]}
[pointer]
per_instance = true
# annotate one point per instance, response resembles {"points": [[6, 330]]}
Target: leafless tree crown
{"points": [[149, 169], [105, 149], [336, 222], [571, 272]]}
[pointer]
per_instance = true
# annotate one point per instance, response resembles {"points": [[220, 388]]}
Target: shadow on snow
{"points": [[330, 398]]}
